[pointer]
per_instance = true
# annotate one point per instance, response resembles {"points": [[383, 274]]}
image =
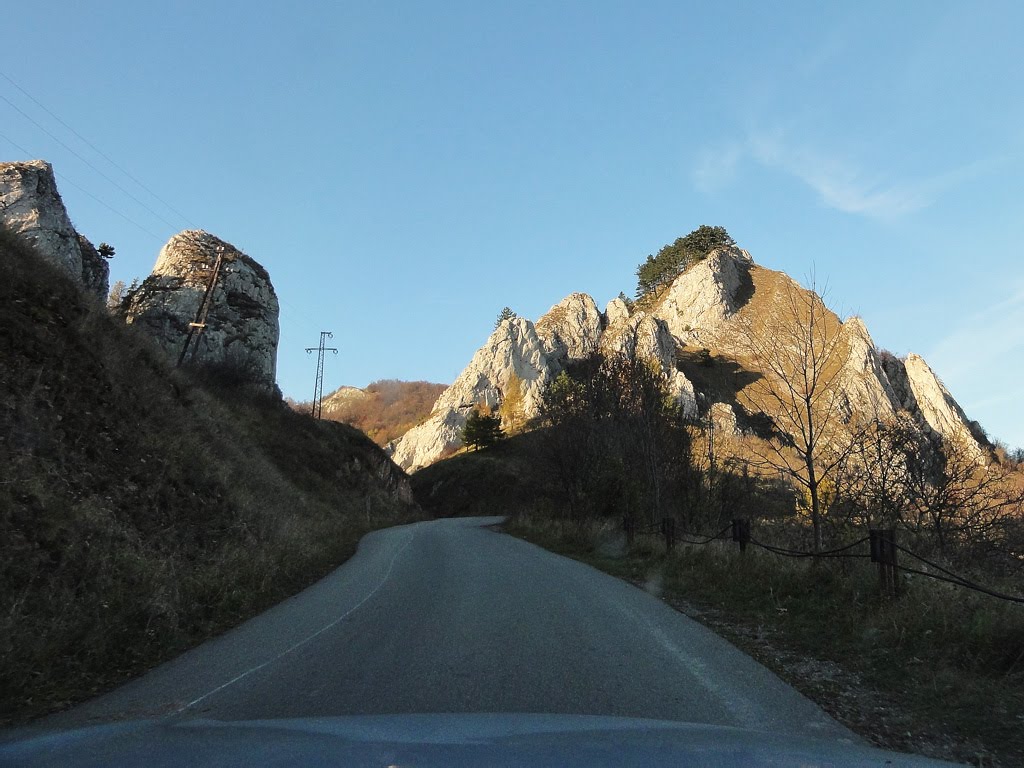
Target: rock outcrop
{"points": [[714, 305], [241, 332], [648, 337], [571, 330], [31, 206], [702, 300], [513, 349], [919, 392], [865, 388], [95, 269]]}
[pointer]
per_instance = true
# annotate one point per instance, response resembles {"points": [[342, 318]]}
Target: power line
{"points": [[96, 149], [84, 191], [72, 151]]}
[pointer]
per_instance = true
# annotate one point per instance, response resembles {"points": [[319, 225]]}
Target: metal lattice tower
{"points": [[318, 391]]}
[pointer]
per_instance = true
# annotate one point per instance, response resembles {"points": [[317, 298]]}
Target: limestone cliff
{"points": [[242, 326], [513, 349], [31, 206], [920, 393], [711, 307]]}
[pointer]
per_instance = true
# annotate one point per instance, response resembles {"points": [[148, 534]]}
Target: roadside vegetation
{"points": [[612, 462], [144, 509], [937, 671]]}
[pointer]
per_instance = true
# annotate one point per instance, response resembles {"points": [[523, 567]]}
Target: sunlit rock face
{"points": [[702, 300], [31, 206], [513, 349], [648, 338], [920, 393], [866, 390], [713, 305], [571, 330], [242, 329]]}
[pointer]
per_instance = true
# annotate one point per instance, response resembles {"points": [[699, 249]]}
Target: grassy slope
{"points": [[142, 511], [939, 671]]}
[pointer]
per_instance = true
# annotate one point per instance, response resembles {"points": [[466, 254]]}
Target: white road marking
{"points": [[302, 642]]}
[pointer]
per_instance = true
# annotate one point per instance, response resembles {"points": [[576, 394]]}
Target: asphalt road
{"points": [[450, 616]]}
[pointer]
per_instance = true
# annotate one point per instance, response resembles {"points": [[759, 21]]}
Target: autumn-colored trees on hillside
{"points": [[387, 409]]}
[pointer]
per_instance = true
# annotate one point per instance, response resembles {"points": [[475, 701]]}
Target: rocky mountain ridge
{"points": [[708, 308]]}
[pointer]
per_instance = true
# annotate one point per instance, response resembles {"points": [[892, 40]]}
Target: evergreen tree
{"points": [[672, 260], [505, 314], [482, 428], [105, 250]]}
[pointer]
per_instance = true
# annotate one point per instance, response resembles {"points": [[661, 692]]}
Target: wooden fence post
{"points": [[741, 532], [883, 552], [668, 530]]}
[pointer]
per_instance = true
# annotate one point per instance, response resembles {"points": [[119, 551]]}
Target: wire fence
{"points": [[882, 543]]}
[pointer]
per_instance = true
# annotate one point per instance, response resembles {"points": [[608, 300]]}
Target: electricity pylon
{"points": [[318, 392]]}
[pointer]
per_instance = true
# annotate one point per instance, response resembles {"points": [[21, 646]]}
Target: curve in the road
{"points": [[450, 616]]}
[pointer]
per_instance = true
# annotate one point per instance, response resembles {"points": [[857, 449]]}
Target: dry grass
{"points": [[141, 510], [939, 671]]}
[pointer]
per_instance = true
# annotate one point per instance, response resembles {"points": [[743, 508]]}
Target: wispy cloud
{"points": [[839, 182], [982, 364], [715, 167], [991, 339]]}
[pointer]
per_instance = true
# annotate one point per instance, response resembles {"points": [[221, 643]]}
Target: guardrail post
{"points": [[668, 530], [741, 532]]}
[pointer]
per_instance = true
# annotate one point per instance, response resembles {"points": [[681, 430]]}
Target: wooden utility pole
{"points": [[197, 326]]}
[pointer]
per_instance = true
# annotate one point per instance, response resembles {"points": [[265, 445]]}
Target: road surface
{"points": [[450, 616]]}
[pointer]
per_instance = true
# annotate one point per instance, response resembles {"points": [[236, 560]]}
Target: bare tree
{"points": [[939, 490], [959, 498], [798, 349], [615, 438]]}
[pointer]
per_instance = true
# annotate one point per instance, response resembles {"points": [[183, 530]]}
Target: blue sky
{"points": [[404, 170]]}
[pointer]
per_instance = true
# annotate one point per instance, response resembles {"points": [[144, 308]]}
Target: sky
{"points": [[406, 169]]}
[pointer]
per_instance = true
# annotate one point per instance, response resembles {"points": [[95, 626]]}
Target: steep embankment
{"points": [[141, 509]]}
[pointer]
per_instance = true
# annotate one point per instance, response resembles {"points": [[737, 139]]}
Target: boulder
{"points": [[241, 332]]}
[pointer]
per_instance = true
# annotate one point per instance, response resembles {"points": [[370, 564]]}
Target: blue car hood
{"points": [[425, 741]]}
